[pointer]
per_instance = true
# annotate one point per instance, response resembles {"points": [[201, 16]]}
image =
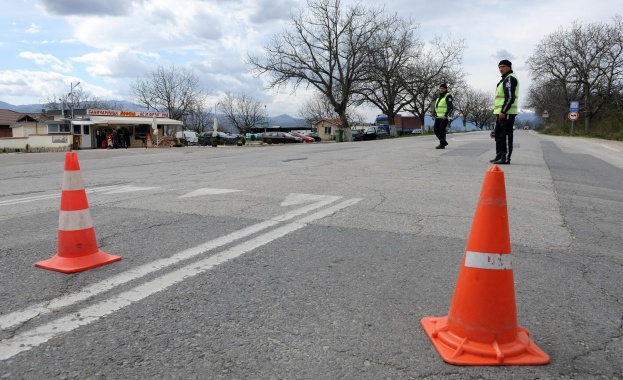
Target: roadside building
{"points": [[19, 124], [89, 129], [326, 128]]}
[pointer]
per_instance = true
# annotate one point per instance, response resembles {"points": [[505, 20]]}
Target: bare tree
{"points": [[474, 106], [316, 108], [438, 63], [169, 89], [241, 111], [586, 61], [328, 47], [319, 107], [549, 95], [393, 48], [78, 99], [198, 118]]}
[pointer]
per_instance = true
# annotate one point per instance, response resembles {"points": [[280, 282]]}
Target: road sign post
{"points": [[573, 116]]}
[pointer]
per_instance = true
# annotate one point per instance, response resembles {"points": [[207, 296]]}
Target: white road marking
{"points": [[128, 189], [208, 191], [19, 317], [607, 147], [32, 338], [52, 196], [296, 199]]}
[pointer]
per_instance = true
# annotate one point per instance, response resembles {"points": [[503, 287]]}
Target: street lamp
{"points": [[71, 94]]}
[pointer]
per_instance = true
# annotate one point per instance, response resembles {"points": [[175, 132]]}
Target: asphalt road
{"points": [[310, 261]]}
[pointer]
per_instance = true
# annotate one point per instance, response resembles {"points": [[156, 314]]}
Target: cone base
{"points": [[459, 351], [77, 264]]}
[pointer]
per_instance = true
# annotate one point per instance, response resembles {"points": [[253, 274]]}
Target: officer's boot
{"points": [[501, 160]]}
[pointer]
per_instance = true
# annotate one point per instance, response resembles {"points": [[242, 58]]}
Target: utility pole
{"points": [[71, 94]]}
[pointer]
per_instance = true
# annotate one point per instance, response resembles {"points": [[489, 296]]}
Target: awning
{"points": [[127, 120], [82, 122]]}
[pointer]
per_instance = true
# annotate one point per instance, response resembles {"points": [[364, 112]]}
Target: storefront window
{"points": [[140, 131], [86, 129], [59, 128], [76, 129]]}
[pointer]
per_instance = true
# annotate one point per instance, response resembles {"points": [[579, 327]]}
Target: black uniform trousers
{"points": [[440, 130], [504, 137]]}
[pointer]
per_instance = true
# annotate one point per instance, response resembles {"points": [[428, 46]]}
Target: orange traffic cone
{"points": [[481, 327], [77, 245]]}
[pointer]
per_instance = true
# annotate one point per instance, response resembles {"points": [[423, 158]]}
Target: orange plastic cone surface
{"points": [[77, 245], [481, 327]]}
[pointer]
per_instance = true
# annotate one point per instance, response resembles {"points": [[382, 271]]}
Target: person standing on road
{"points": [[441, 112], [505, 110]]}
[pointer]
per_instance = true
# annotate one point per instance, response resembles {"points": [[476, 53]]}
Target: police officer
{"points": [[505, 110], [441, 112]]}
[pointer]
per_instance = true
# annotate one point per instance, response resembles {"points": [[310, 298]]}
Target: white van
{"points": [[188, 137]]}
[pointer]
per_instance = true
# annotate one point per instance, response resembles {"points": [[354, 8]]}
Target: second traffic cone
{"points": [[481, 327], [77, 245]]}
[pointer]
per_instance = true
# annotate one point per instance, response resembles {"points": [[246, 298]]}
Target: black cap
{"points": [[506, 62], [443, 85]]}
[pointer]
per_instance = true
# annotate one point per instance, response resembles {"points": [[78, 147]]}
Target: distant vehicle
{"points": [[526, 128], [281, 137], [314, 135], [357, 134], [187, 137], [304, 137], [374, 133], [418, 130], [253, 136], [382, 121], [205, 138]]}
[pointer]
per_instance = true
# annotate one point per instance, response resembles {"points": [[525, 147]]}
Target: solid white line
{"points": [[607, 147], [52, 196], [19, 317], [33, 338]]}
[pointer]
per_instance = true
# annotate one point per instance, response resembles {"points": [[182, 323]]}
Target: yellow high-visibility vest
{"points": [[441, 107], [499, 98]]}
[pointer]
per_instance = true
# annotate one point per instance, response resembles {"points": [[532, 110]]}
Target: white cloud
{"points": [[46, 60], [34, 28]]}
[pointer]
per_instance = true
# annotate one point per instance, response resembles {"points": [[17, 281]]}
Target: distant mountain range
{"points": [[281, 120]]}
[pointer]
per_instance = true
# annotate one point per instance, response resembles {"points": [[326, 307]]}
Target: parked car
{"points": [[187, 137], [314, 135], [280, 137], [304, 137], [418, 131], [357, 134], [205, 138], [374, 133]]}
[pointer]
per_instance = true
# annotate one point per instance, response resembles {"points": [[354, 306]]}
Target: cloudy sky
{"points": [[46, 45]]}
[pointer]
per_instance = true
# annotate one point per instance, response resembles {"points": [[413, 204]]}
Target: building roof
{"points": [[336, 121], [9, 117]]}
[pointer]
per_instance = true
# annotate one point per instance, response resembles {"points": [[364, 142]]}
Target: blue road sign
{"points": [[574, 106]]}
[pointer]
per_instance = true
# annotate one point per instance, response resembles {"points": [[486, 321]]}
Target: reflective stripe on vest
{"points": [[499, 97], [441, 107]]}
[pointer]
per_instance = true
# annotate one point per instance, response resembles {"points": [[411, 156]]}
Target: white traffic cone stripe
{"points": [[493, 261], [72, 180], [74, 220]]}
